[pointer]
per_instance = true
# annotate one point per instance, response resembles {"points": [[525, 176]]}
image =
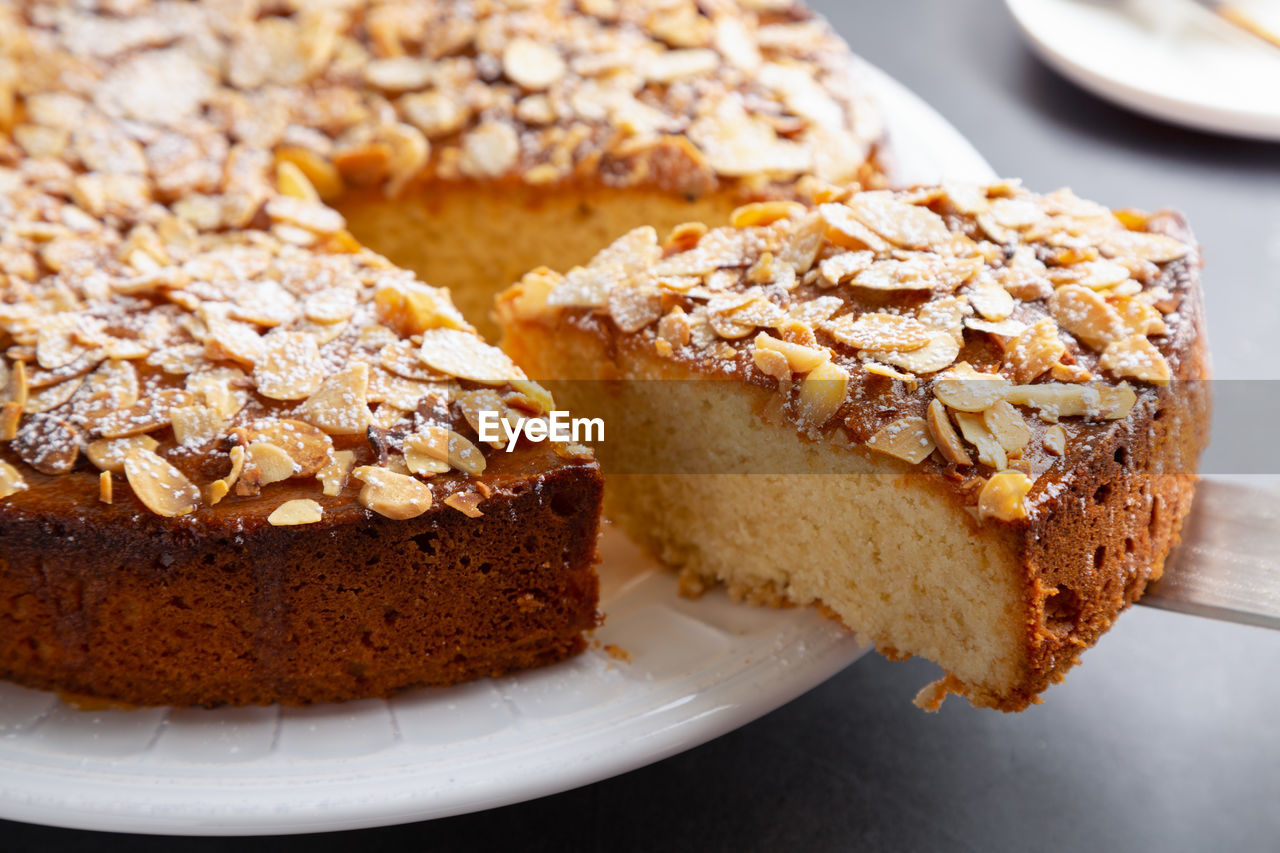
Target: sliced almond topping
{"points": [[292, 181], [467, 503], [231, 340], [1003, 497], [396, 496], [340, 406], [1008, 427], [1157, 248], [268, 464], [412, 308], [822, 393], [333, 477], [940, 352], [1137, 358], [106, 487], [15, 390], [162, 488], [289, 367], [532, 65], [47, 443], [907, 438], [53, 396], [906, 225], [307, 445], [11, 481], [967, 390], [762, 213], [1096, 275], [465, 356], [1055, 440], [385, 387], [1054, 400], [634, 308], [10, 418], [146, 415], [974, 429], [1034, 351], [799, 358], [426, 452], [218, 489], [771, 363], [109, 454], [1115, 403], [1085, 314], [944, 435], [844, 266], [845, 230], [196, 425], [989, 299], [329, 306], [879, 332], [294, 512]]}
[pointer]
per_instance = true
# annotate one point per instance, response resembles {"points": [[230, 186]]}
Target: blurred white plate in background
{"points": [[1168, 59]]}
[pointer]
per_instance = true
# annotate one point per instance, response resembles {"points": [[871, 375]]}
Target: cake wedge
{"points": [[964, 419]]}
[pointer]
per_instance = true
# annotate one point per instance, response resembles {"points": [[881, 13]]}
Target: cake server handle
{"points": [[1228, 565]]}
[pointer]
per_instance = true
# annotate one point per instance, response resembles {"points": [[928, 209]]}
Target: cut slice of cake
{"points": [[964, 419]]}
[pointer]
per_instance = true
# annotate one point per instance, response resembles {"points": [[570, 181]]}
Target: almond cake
{"points": [[963, 419], [239, 459]]}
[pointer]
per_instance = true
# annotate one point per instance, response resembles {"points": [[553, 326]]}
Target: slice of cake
{"points": [[964, 419]]}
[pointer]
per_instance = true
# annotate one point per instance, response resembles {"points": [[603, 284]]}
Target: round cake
{"points": [[241, 456]]}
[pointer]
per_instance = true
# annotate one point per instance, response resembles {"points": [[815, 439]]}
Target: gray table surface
{"points": [[1167, 737]]}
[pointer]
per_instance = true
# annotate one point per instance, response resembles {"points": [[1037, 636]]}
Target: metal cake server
{"points": [[1228, 565]]}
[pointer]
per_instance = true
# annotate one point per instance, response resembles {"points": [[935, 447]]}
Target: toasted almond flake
{"points": [[15, 390], [1054, 400], [1157, 248], [1004, 328], [844, 229], [822, 393], [319, 174], [218, 489], [940, 352], [800, 358], [160, 487], [907, 438], [919, 272], [340, 406], [1137, 358], [295, 512], [531, 65], [232, 340], [989, 299], [11, 481], [762, 213], [106, 488], [771, 363], [333, 476], [53, 396], [974, 429], [399, 73], [289, 367], [109, 454], [307, 445], [1085, 314], [530, 397], [906, 225], [196, 425], [385, 387], [396, 496], [944, 435], [1097, 275], [879, 332], [293, 182], [1006, 424], [10, 418], [1055, 440], [465, 356], [968, 390], [426, 452], [147, 415], [1003, 497], [467, 503], [1034, 351], [634, 308], [1115, 403], [332, 305], [874, 367], [268, 464], [490, 150]]}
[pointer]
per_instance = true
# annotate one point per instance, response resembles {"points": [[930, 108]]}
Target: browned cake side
{"points": [[222, 607], [966, 420]]}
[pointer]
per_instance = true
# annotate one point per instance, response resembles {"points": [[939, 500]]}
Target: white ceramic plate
{"points": [[1167, 59], [697, 669]]}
